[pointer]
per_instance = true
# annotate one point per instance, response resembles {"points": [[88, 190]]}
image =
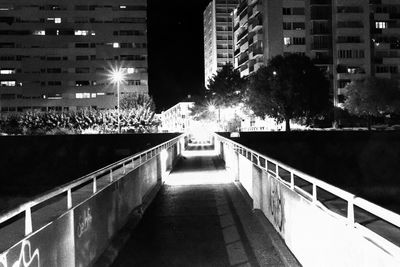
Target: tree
{"points": [[138, 112], [372, 97], [226, 87], [289, 87]]}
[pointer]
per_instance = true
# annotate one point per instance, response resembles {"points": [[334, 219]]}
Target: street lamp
{"points": [[117, 76]]}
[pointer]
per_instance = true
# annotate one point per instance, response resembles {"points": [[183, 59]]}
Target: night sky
{"points": [[175, 48]]}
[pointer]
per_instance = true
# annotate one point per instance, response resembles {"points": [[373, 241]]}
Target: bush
{"points": [[40, 123]]}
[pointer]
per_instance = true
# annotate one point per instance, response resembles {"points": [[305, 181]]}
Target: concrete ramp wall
{"points": [[79, 235], [318, 235]]}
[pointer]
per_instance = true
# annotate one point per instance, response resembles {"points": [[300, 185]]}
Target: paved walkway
{"points": [[198, 218]]}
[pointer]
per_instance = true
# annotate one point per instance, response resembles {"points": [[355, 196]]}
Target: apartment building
{"points": [[218, 36], [177, 118], [348, 39], [56, 55]]}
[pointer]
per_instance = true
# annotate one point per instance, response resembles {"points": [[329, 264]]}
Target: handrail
{"points": [[352, 200], [68, 187]]}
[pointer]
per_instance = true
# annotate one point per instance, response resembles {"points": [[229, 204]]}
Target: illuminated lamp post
{"points": [[117, 76]]}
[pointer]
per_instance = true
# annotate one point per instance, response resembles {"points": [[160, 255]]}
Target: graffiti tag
{"points": [[26, 257], [276, 204], [84, 223]]}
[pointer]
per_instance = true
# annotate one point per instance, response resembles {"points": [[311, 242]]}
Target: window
{"points": [[54, 70], [82, 57], [286, 11], [82, 83], [393, 69], [380, 24], [286, 40], [299, 26], [82, 95], [134, 82], [287, 25], [39, 32], [82, 70], [54, 83], [298, 11], [7, 71], [82, 45], [8, 83], [115, 45], [81, 32], [299, 40], [343, 83], [382, 69]]}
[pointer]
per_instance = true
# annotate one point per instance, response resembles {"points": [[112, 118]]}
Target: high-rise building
{"points": [[218, 36], [55, 55], [348, 39]]}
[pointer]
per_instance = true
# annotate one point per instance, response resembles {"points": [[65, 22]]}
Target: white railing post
{"points": [[94, 185], [111, 176], [69, 199], [314, 192], [123, 168], [28, 221], [291, 180], [350, 212]]}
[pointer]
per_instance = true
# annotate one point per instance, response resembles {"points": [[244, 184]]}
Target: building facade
{"points": [[177, 118], [218, 36], [56, 55], [349, 39]]}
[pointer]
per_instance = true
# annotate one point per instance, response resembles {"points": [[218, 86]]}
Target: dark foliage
{"points": [[289, 87]]}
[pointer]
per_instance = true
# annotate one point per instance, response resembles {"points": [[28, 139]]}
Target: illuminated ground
{"points": [[199, 219]]}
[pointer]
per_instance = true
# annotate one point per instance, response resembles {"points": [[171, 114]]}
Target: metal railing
{"points": [[110, 170], [377, 223]]}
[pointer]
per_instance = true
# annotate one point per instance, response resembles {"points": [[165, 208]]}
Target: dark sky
{"points": [[175, 47]]}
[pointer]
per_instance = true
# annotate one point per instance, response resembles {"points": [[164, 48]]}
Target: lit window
{"points": [[93, 95], [286, 40], [101, 94], [8, 83], [116, 45], [39, 32], [131, 70], [81, 32], [122, 7], [7, 71], [380, 24], [82, 95], [57, 20]]}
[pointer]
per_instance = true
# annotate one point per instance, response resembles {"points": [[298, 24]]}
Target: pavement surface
{"points": [[199, 218]]}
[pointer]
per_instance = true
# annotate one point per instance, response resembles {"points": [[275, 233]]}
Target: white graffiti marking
{"points": [[25, 259], [84, 222]]}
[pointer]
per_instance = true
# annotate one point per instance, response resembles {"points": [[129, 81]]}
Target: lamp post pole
{"points": [[118, 108]]}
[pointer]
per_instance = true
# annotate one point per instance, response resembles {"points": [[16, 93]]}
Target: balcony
{"points": [[243, 59], [242, 34]]}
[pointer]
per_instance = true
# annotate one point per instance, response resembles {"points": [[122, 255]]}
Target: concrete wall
{"points": [[80, 235], [314, 235]]}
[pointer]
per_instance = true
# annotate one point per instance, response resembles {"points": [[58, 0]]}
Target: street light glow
{"points": [[211, 108], [117, 75]]}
